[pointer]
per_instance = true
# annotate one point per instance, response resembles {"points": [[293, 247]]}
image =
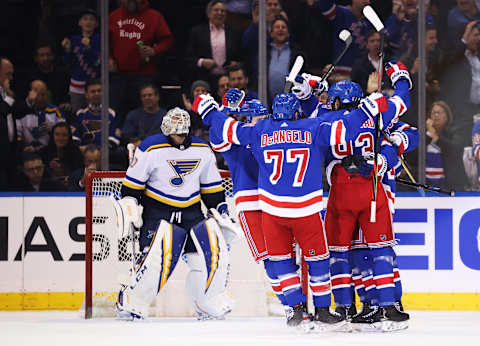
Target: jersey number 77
{"points": [[279, 157]]}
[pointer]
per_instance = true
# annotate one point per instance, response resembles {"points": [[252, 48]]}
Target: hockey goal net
{"points": [[109, 259]]}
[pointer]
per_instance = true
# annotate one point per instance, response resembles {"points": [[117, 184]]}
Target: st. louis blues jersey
{"points": [[288, 153], [173, 178], [243, 171]]}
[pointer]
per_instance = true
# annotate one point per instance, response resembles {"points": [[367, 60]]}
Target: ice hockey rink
{"points": [[67, 328]]}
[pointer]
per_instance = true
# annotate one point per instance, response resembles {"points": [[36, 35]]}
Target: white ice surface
{"points": [[27, 328]]}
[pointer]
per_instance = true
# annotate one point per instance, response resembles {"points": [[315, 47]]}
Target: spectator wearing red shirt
{"points": [[138, 35]]}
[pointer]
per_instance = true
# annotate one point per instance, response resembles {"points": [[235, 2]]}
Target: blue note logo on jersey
{"points": [[181, 168]]}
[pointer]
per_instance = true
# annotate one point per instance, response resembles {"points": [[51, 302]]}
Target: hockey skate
{"points": [[369, 319], [394, 319], [122, 313], [398, 304], [298, 317], [347, 311], [381, 319], [329, 321]]}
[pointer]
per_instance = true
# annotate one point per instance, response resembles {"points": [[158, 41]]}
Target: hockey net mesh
{"points": [[112, 257]]}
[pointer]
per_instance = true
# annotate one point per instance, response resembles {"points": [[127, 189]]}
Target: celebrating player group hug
{"points": [[275, 160]]}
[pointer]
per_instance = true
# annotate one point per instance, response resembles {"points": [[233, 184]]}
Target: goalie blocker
{"points": [[206, 282]]}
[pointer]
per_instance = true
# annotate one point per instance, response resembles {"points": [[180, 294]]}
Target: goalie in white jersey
{"points": [[168, 178]]}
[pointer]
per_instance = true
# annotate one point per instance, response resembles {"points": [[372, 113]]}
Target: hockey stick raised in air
{"points": [[346, 37], [372, 17], [297, 66]]}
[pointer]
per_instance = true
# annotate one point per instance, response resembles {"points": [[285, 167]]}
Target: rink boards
{"points": [[42, 253]]}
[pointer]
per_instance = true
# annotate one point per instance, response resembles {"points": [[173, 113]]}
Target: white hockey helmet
{"points": [[176, 122]]}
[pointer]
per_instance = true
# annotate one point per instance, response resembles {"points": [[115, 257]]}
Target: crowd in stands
{"points": [[164, 53]]}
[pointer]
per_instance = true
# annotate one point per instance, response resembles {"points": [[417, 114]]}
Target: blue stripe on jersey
{"points": [[196, 140], [158, 192], [215, 183], [153, 140], [133, 180]]}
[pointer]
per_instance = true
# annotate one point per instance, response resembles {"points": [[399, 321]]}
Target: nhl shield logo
{"points": [[311, 252], [383, 237]]}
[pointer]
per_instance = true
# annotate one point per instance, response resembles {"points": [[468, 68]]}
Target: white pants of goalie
{"points": [[206, 282]]}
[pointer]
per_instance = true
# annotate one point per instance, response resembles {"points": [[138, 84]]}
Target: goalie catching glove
{"points": [[129, 212]]}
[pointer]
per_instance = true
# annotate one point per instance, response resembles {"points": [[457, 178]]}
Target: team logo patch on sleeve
{"points": [[182, 168]]}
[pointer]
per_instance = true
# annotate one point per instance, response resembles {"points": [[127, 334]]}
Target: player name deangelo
{"points": [[287, 136]]}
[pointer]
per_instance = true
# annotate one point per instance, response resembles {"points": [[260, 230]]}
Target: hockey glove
{"points": [[374, 104], [400, 141], [203, 104], [366, 167], [233, 99], [314, 81], [228, 227], [398, 71], [301, 89]]}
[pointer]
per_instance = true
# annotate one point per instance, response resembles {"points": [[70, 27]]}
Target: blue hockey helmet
{"points": [[253, 108], [285, 107], [347, 92]]}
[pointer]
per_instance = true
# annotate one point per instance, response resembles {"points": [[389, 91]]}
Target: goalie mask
{"points": [[176, 122]]}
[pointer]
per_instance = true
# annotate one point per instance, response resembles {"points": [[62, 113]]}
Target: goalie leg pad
{"points": [[209, 270], [153, 269]]}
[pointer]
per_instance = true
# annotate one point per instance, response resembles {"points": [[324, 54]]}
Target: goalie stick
{"points": [[131, 158], [373, 18]]}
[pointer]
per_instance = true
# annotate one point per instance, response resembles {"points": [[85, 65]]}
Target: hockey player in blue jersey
{"points": [[290, 189], [402, 138], [169, 176], [349, 200], [244, 173]]}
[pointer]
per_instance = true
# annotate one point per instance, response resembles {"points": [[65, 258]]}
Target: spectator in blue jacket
{"points": [[145, 120]]}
